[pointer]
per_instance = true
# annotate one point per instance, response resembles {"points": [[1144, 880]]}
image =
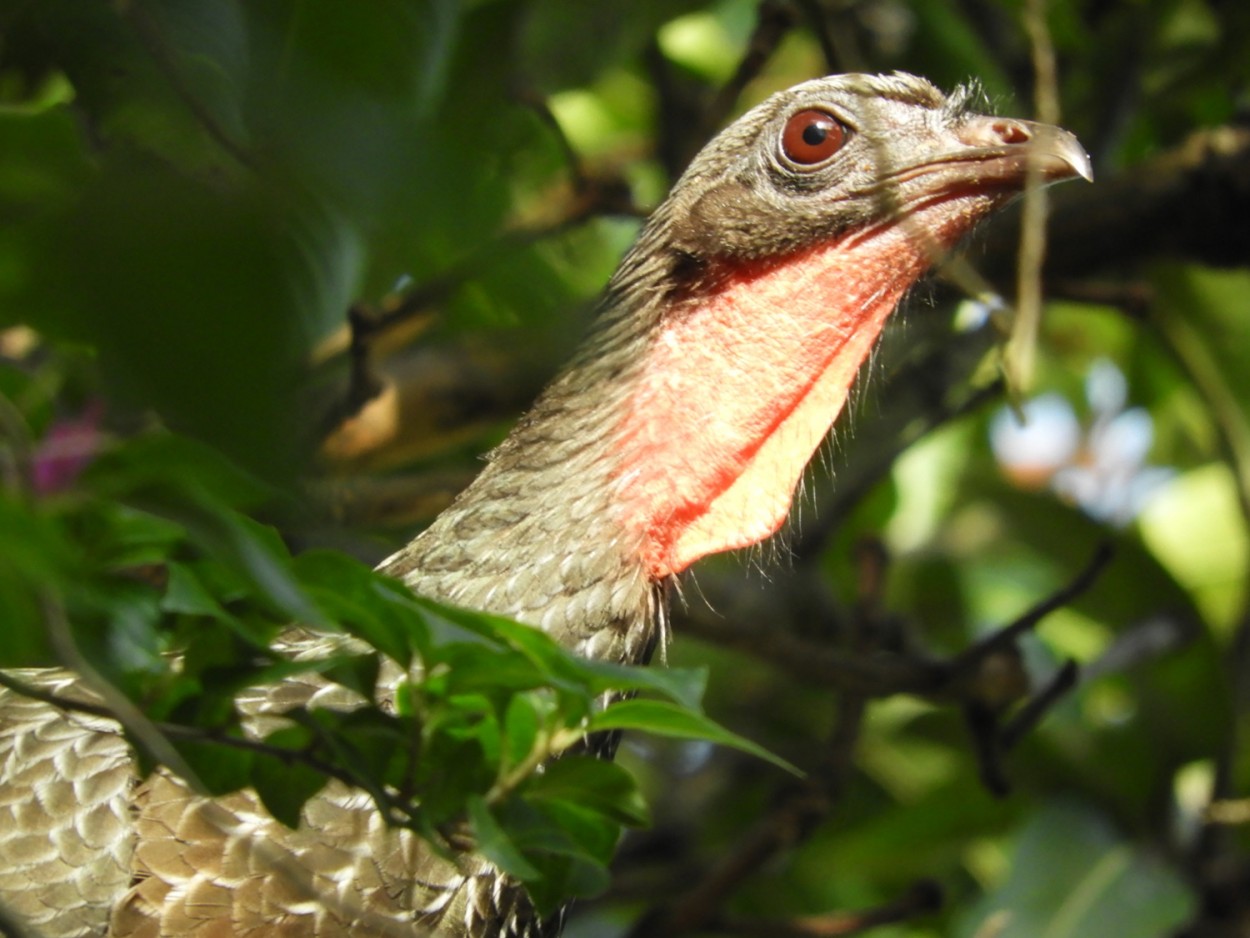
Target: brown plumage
{"points": [[723, 350]]}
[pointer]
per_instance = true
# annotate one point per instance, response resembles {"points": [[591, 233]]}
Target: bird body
{"points": [[723, 349]]}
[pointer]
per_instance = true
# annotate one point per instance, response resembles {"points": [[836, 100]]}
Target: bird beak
{"points": [[996, 157], [1018, 150]]}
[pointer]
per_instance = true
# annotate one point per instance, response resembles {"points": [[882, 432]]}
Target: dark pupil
{"points": [[814, 134]]}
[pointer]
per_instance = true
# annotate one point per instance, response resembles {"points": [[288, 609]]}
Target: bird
{"points": [[723, 349]]}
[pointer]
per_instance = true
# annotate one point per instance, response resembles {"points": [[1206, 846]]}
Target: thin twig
{"points": [[987, 746], [1021, 354], [787, 825], [836, 34], [542, 108], [1037, 706], [967, 660], [596, 198], [774, 19], [882, 675], [367, 324], [805, 806]]}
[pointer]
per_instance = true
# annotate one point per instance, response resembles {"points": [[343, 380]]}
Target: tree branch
{"points": [[968, 660], [773, 20]]}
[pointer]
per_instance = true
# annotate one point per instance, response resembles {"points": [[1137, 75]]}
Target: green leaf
{"points": [[165, 463], [594, 833], [557, 666], [477, 670], [284, 785], [494, 844], [222, 769], [357, 598], [120, 536], [564, 669], [1072, 876], [590, 784], [520, 728], [568, 846], [32, 545], [366, 742], [473, 717], [666, 719], [355, 672], [684, 686], [185, 593]]}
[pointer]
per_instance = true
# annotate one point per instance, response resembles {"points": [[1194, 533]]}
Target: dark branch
{"points": [[836, 32], [1037, 706], [968, 660], [774, 20]]}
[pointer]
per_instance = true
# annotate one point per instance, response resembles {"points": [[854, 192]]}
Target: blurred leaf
{"points": [[1195, 528], [185, 593], [1072, 877], [363, 602], [494, 843], [552, 46], [181, 288], [222, 769], [285, 785], [520, 727]]}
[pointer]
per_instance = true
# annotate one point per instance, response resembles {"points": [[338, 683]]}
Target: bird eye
{"points": [[812, 136]]}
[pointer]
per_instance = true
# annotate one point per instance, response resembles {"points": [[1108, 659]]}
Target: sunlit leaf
{"points": [[666, 719]]}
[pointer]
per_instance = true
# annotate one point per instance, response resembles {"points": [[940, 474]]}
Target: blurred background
{"points": [[343, 245]]}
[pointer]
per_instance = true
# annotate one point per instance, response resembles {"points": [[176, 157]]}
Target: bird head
{"points": [[853, 152], [766, 276]]}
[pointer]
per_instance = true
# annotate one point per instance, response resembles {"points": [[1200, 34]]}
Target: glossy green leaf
{"points": [[666, 719], [494, 843], [590, 783]]}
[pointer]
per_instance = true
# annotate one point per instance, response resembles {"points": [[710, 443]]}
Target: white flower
{"points": [[1103, 469]]}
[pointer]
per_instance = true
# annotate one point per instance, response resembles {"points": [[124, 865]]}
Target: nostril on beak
{"points": [[1009, 131], [1052, 151], [996, 132]]}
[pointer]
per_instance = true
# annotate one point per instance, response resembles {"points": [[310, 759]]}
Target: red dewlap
{"points": [[740, 386]]}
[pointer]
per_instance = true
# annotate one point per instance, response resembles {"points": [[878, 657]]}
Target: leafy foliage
{"points": [[194, 195], [150, 555]]}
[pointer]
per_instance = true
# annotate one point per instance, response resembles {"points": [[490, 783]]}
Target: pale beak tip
{"points": [[1081, 164], [1064, 146]]}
